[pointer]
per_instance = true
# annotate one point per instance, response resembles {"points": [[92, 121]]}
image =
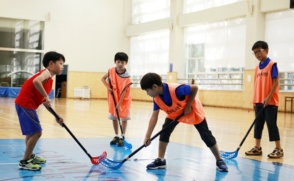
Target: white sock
{"points": [[162, 159]]}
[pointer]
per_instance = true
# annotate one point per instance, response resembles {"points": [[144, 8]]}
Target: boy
{"points": [[33, 93], [266, 100], [175, 99], [120, 81]]}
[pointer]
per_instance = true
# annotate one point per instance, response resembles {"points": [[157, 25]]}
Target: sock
{"points": [[117, 135], [162, 159]]}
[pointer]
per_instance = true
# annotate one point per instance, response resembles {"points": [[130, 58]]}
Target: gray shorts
{"points": [[112, 117]]}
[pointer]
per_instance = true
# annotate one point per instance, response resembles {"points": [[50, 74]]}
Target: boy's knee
{"points": [[39, 134]]}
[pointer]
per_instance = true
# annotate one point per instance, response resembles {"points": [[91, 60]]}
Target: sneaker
{"points": [[114, 140], [277, 153], [28, 165], [121, 142], [221, 166], [37, 160], [254, 151], [157, 164]]}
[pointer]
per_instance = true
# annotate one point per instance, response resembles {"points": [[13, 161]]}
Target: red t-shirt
{"points": [[29, 96]]}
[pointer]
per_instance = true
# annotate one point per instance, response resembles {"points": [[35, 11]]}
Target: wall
{"points": [[88, 33]]}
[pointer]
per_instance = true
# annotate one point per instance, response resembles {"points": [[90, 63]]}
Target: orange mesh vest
{"points": [[196, 116], [119, 84], [263, 84]]}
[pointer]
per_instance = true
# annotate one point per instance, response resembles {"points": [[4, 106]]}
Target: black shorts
{"points": [[202, 128], [269, 115]]}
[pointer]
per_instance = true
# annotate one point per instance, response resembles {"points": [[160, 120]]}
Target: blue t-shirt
{"points": [[275, 72], [181, 92]]}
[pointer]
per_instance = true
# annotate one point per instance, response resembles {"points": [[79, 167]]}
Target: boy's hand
{"points": [[60, 120], [47, 102], [266, 101], [187, 110], [147, 141], [109, 89]]}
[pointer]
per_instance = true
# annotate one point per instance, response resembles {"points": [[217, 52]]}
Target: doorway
{"points": [[61, 83]]}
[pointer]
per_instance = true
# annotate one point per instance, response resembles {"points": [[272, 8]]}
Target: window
{"points": [[149, 53], [215, 54], [279, 28], [149, 10], [21, 50], [198, 5]]}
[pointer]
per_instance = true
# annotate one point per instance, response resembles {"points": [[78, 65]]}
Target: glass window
{"points": [[198, 5], [149, 53], [149, 10], [22, 34], [16, 67], [280, 38], [215, 51], [21, 50]]}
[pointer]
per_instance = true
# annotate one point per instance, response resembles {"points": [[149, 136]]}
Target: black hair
{"points": [[52, 56], [121, 56], [149, 79], [260, 44]]}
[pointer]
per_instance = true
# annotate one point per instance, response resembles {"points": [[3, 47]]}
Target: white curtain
{"points": [[198, 5], [279, 34], [149, 53], [149, 10], [224, 42]]}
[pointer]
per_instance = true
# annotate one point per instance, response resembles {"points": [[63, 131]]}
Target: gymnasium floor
{"points": [[188, 159]]}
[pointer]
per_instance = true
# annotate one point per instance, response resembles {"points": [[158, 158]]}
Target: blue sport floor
{"points": [[67, 161]]}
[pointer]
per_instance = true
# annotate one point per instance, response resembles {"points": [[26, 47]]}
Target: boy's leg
{"points": [[271, 114], [30, 126], [258, 128], [115, 126], [210, 142], [124, 126], [160, 162], [115, 140], [31, 141]]}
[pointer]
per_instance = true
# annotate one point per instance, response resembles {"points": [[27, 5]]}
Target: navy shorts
{"points": [[28, 120]]}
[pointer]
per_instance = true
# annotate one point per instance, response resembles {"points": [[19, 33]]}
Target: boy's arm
{"points": [[194, 90], [39, 86], [269, 97], [152, 123], [103, 79], [123, 95], [60, 120]]}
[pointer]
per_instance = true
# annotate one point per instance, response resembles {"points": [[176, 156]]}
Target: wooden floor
{"points": [[88, 119]]}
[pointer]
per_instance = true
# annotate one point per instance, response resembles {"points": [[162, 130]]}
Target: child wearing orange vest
{"points": [[120, 81], [34, 92], [266, 100], [175, 99]]}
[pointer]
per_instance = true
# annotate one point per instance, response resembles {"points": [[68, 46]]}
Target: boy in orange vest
{"points": [[33, 93], [120, 80], [266, 100], [175, 99]]}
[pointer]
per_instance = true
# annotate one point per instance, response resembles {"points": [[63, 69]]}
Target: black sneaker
{"points": [[121, 142], [221, 166], [114, 140], [157, 164]]}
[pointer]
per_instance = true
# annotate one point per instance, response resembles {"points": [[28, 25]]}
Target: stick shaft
{"points": [[117, 112], [63, 125], [249, 129], [175, 122]]}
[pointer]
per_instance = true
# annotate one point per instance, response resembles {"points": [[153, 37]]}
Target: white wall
{"points": [[87, 32]]}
